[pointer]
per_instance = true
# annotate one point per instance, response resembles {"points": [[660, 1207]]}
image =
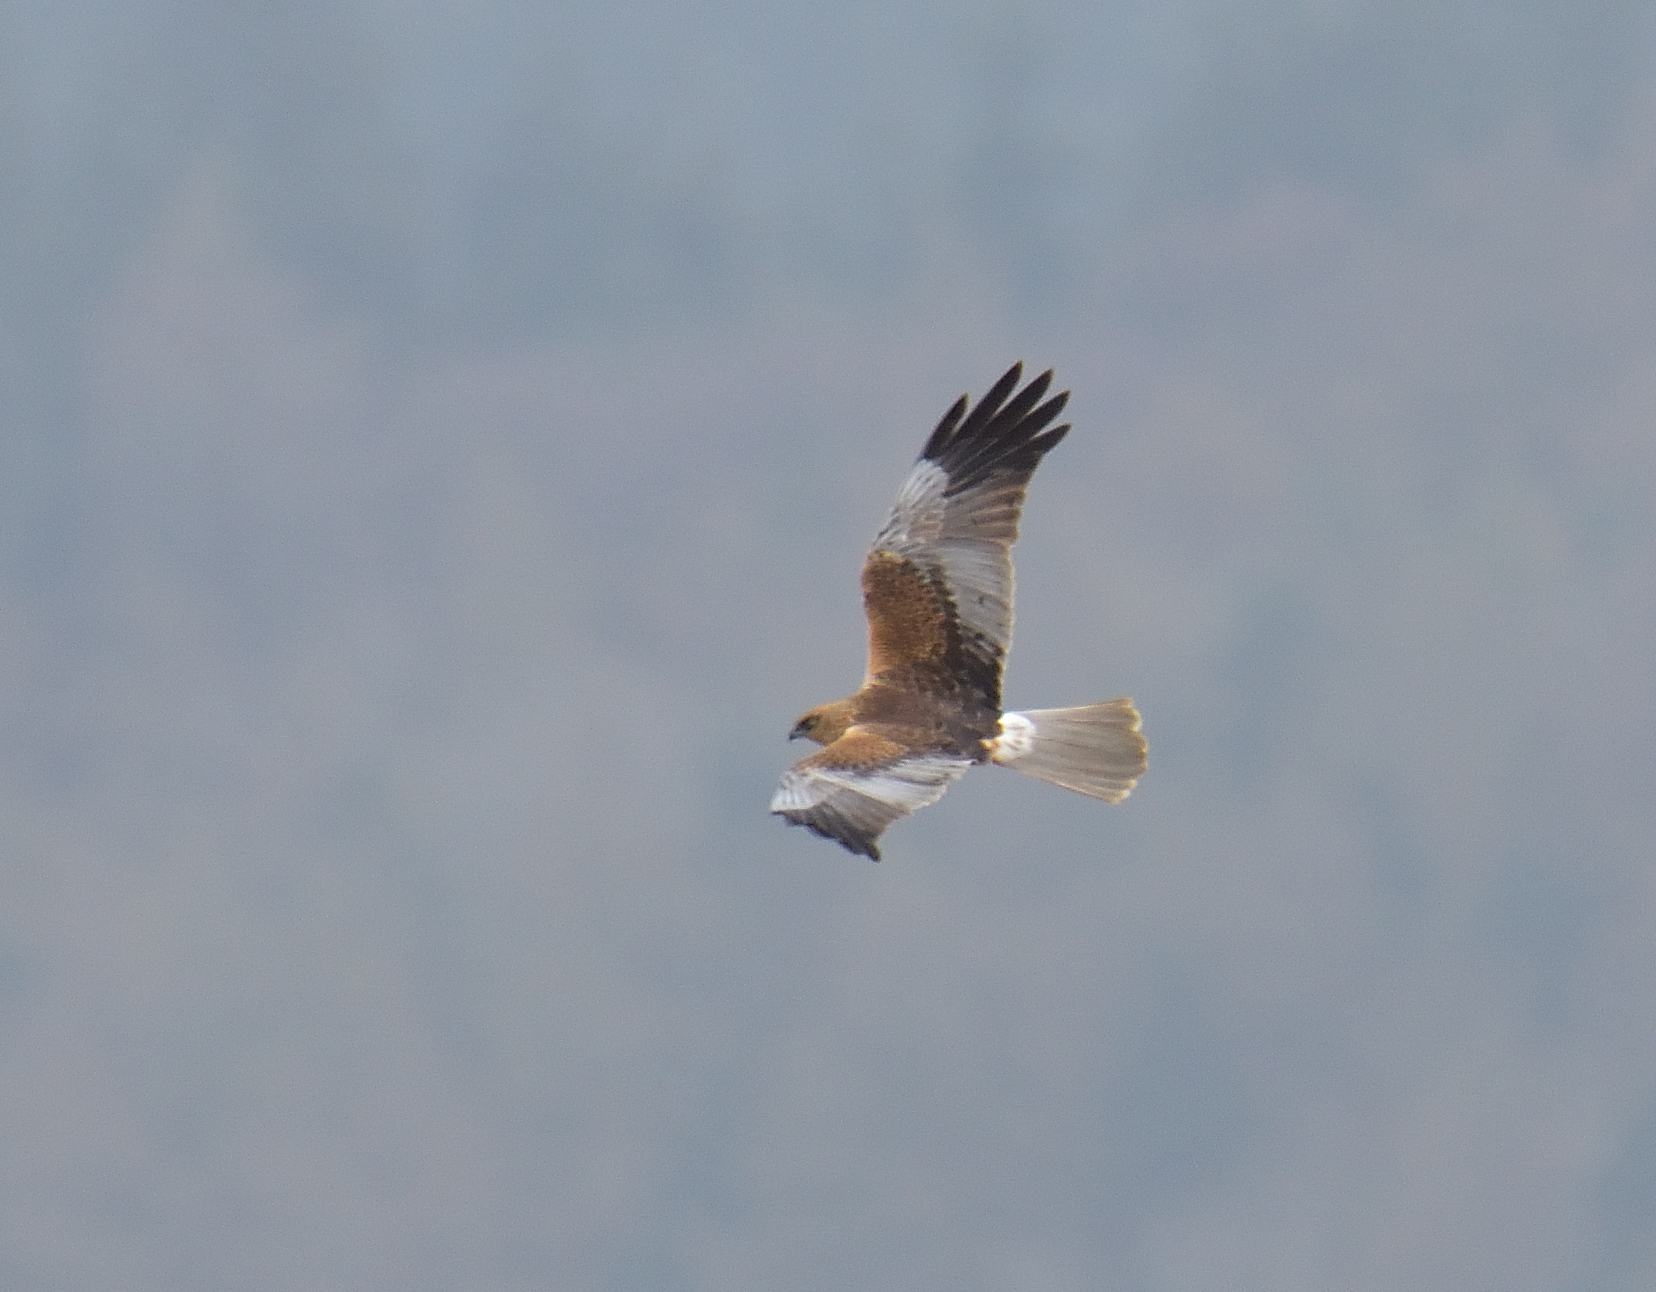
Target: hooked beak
{"points": [[798, 731]]}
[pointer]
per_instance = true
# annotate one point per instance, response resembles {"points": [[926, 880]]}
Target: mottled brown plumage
{"points": [[908, 618], [937, 590]]}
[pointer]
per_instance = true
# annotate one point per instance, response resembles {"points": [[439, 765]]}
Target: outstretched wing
{"points": [[853, 789], [937, 586]]}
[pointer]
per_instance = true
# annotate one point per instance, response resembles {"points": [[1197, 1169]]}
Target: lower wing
{"points": [[857, 786]]}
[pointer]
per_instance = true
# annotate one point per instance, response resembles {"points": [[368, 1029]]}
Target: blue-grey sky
{"points": [[441, 442]]}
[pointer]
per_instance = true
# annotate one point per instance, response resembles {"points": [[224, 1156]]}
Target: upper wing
{"points": [[854, 788], [938, 585]]}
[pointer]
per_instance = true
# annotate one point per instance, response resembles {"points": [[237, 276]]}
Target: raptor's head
{"points": [[824, 724]]}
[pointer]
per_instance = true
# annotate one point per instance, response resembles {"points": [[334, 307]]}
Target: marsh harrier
{"points": [[937, 589]]}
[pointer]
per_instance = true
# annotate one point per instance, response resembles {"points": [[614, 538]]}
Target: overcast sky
{"points": [[440, 444]]}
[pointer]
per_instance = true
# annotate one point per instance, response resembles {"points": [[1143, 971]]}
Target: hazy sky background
{"points": [[440, 441]]}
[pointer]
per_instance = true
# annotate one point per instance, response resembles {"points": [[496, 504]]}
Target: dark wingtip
{"points": [[998, 394], [857, 845], [945, 429], [1002, 431], [1049, 410]]}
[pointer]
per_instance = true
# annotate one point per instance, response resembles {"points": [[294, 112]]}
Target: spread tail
{"points": [[1094, 749]]}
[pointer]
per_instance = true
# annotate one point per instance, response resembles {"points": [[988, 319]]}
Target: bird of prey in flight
{"points": [[937, 589]]}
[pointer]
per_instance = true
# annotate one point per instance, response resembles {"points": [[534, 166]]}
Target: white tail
{"points": [[1094, 749]]}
